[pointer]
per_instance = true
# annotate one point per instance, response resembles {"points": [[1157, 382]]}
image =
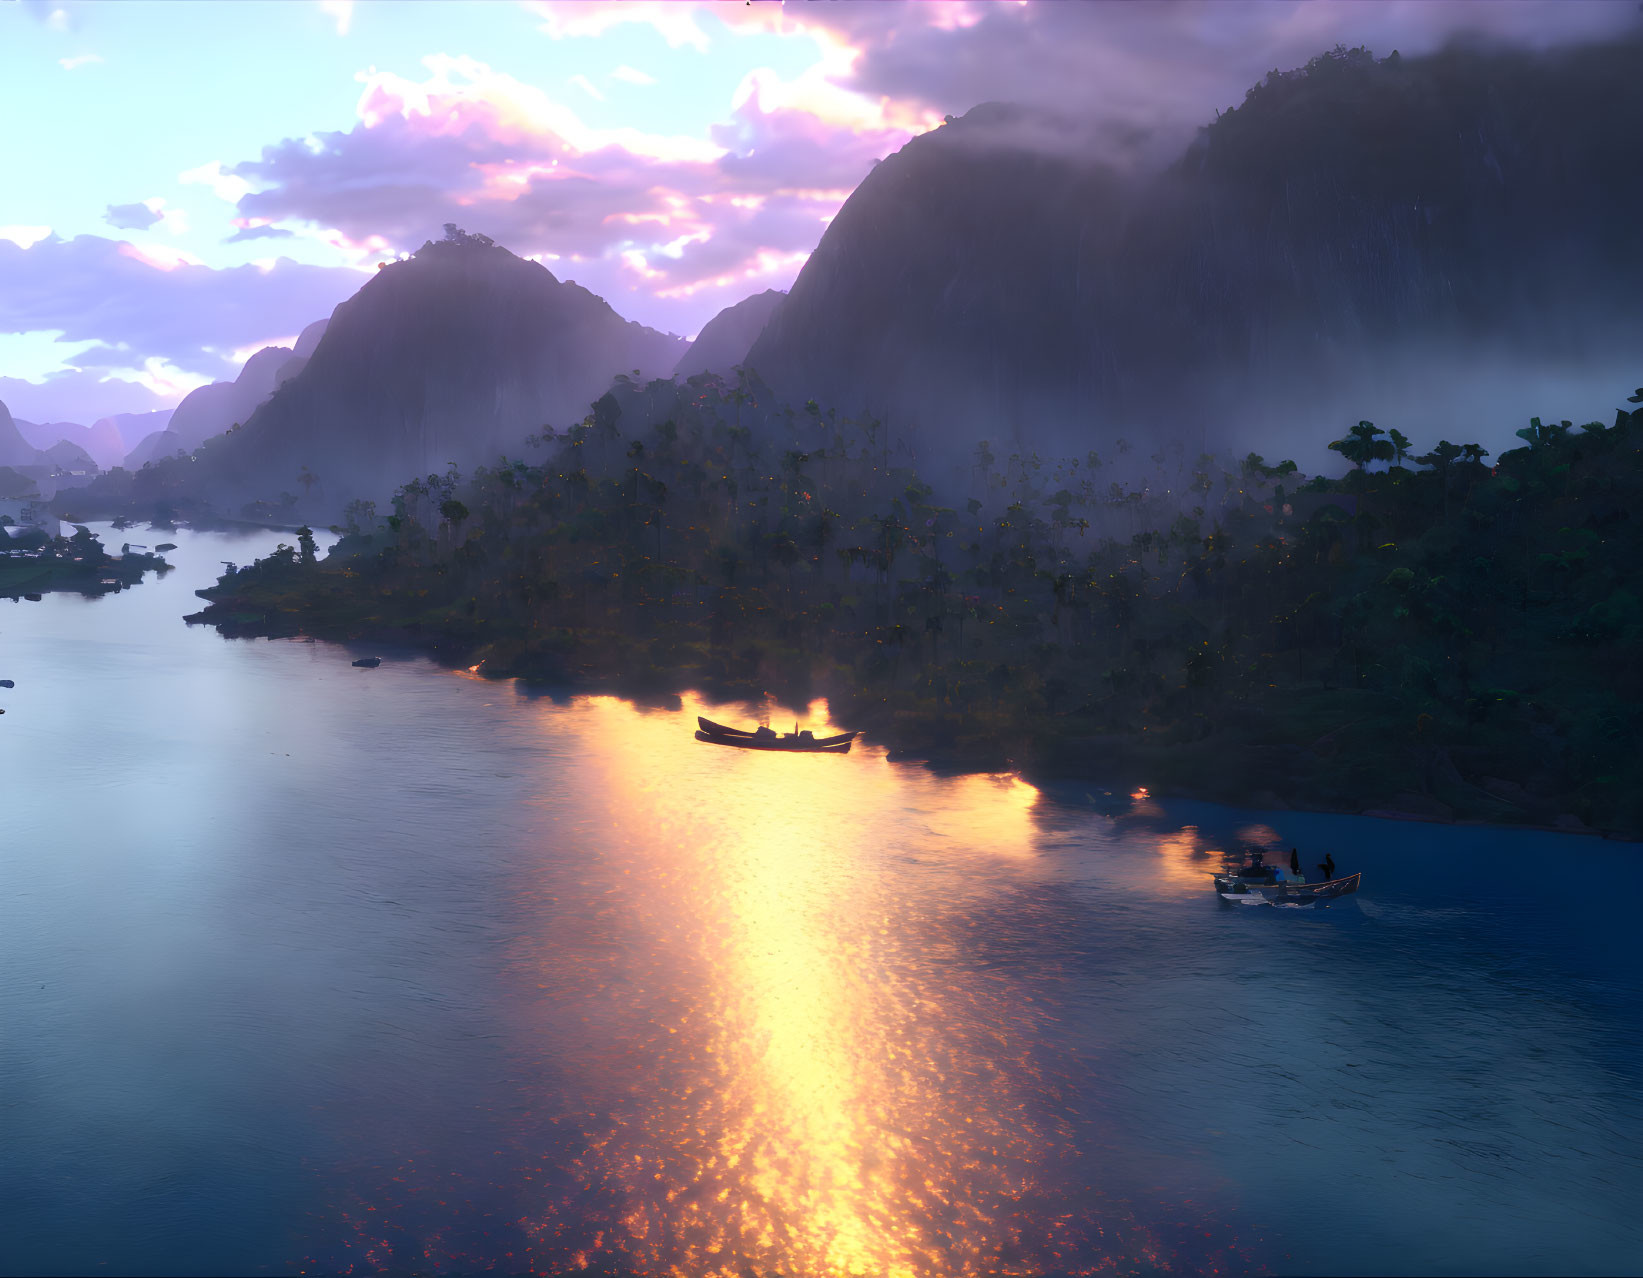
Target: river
{"points": [[305, 967]]}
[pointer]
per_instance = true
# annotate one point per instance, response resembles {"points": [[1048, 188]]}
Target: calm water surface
{"points": [[305, 967]]}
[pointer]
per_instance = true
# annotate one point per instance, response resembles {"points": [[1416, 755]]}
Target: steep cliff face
{"points": [[210, 410], [14, 449], [454, 355], [1358, 233], [726, 339]]}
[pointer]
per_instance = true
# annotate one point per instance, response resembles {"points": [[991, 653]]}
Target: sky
{"points": [[196, 179]]}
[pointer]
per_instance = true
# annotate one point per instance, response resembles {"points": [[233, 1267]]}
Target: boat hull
{"points": [[741, 734], [776, 745], [1290, 895]]}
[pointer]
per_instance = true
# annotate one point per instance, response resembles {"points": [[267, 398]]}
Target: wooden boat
{"points": [[1291, 893], [720, 730], [1307, 893], [803, 743]]}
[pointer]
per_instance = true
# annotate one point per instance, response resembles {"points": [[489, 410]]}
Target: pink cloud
{"points": [[666, 227], [1127, 67], [159, 256]]}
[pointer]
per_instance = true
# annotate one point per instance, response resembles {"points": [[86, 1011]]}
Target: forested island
{"points": [[32, 561], [1429, 634]]}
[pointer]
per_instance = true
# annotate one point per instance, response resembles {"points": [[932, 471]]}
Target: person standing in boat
{"points": [[1295, 864], [1326, 867]]}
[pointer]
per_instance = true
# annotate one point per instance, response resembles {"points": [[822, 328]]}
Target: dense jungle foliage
{"points": [[1429, 634]]}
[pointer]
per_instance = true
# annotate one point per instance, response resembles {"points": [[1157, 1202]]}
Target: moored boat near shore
{"points": [[720, 730], [791, 744], [765, 739]]}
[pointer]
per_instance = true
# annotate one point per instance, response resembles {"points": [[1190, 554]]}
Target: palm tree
{"points": [[1441, 459], [1360, 447]]}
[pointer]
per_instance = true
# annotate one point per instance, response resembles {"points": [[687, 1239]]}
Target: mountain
{"points": [[453, 355], [726, 339], [211, 410], [14, 449], [1360, 238], [133, 427], [154, 446], [67, 455], [101, 442]]}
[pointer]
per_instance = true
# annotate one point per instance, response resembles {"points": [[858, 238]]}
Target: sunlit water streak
{"points": [[313, 967]]}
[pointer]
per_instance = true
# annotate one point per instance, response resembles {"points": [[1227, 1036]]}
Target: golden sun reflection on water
{"points": [[822, 1081]]}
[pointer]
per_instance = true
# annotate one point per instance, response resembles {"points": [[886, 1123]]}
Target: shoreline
{"points": [[1127, 760]]}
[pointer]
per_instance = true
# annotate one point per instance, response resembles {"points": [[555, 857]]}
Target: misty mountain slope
{"points": [[1359, 237], [101, 441], [454, 355], [132, 428], [68, 455], [944, 288], [726, 339], [154, 446], [210, 410]]}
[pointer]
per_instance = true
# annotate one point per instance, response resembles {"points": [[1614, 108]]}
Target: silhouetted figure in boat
{"points": [[1295, 863], [1326, 867]]}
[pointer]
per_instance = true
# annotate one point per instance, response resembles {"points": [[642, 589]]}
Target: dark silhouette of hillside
{"points": [[454, 355], [1402, 239], [1437, 638], [726, 339]]}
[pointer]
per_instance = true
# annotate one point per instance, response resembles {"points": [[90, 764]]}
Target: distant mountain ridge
{"points": [[101, 442], [211, 410], [1351, 235]]}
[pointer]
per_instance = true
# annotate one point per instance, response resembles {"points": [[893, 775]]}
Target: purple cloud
{"points": [[669, 230], [1157, 71], [140, 306], [131, 217], [77, 395], [259, 233]]}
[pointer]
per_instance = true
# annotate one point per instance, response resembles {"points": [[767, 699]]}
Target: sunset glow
{"points": [[827, 1113], [549, 127]]}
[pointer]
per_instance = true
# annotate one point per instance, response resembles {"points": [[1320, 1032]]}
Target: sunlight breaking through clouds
{"points": [[672, 218]]}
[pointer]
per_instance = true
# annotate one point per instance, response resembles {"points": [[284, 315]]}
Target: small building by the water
{"points": [[20, 513]]}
